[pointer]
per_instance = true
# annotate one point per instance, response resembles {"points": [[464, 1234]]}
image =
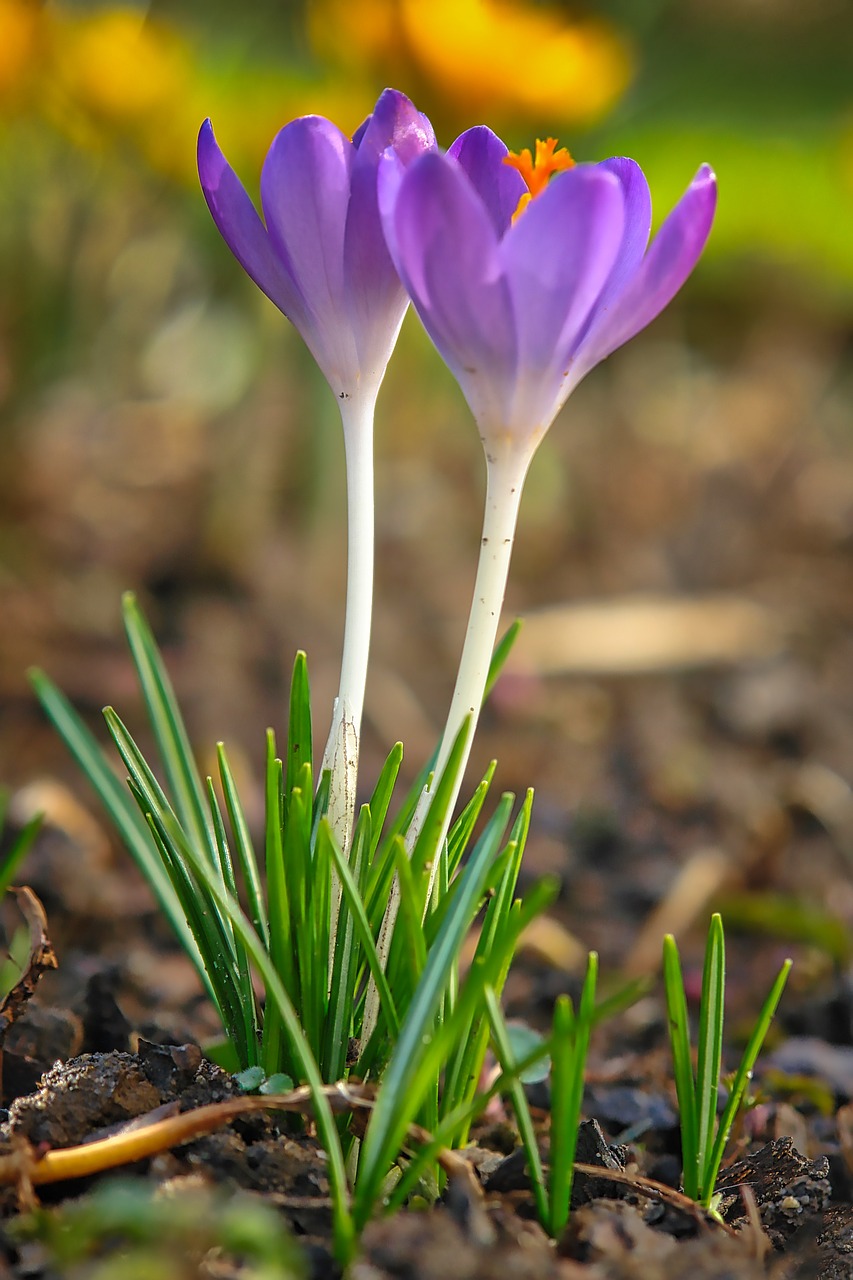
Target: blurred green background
{"points": [[162, 428]]}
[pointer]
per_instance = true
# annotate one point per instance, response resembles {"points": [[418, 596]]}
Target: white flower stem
{"points": [[341, 754], [505, 481], [506, 471]]}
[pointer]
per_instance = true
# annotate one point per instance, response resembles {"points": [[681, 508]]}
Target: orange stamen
{"points": [[537, 171]]}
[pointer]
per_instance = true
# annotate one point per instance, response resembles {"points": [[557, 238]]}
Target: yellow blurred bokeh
{"points": [[117, 76], [510, 63]]}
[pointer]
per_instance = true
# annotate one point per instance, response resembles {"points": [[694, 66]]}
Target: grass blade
{"points": [[243, 976], [742, 1078], [169, 730], [244, 846], [682, 1064], [570, 1043], [503, 648], [362, 929], [397, 1096], [518, 1098], [381, 799], [278, 904], [120, 808], [710, 1045], [299, 733]]}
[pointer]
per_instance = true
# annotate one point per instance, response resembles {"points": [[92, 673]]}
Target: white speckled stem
{"points": [[506, 471], [505, 481], [341, 754]]}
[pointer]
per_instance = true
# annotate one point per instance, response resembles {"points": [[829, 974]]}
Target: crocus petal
{"points": [[240, 226], [638, 223], [557, 257], [481, 154], [376, 300], [305, 187], [448, 256], [672, 256]]}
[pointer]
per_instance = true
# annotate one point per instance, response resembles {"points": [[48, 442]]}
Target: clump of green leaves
{"points": [[703, 1137], [247, 917]]}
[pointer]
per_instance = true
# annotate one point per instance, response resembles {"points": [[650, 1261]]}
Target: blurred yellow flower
{"points": [[20, 24], [501, 60], [120, 66], [114, 77]]}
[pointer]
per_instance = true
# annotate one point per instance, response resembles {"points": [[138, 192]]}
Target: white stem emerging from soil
{"points": [[506, 472], [341, 754]]}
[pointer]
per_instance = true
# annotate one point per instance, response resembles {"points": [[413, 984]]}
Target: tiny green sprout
{"points": [[703, 1137], [568, 1045]]}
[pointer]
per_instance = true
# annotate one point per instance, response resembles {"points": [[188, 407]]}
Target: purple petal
{"points": [[481, 154], [396, 123], [557, 257], [240, 225], [375, 297], [638, 222], [673, 255], [389, 180], [448, 256], [305, 190]]}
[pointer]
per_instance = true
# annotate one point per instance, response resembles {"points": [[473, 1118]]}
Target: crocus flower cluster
{"points": [[526, 271]]}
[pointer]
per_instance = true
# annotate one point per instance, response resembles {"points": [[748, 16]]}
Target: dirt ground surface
{"points": [[681, 699]]}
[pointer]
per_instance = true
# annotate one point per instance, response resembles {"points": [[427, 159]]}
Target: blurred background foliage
{"points": [[162, 429]]}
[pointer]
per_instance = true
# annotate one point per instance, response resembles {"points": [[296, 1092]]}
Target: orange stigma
{"points": [[537, 171]]}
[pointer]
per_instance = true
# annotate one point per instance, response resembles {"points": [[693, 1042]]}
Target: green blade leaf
{"points": [[390, 1117], [244, 847], [300, 748], [742, 1078], [381, 798], [169, 730], [518, 1098], [243, 976], [682, 1062], [569, 1046], [278, 904], [120, 809], [710, 1045], [502, 651]]}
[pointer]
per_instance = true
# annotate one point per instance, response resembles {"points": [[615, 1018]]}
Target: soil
{"points": [[702, 762]]}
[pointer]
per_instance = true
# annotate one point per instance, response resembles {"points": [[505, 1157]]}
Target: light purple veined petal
{"points": [[375, 298], [481, 154], [447, 254], [557, 258], [389, 179], [305, 191], [672, 256], [241, 227], [635, 234]]}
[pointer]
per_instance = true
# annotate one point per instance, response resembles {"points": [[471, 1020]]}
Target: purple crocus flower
{"points": [[320, 255], [524, 285], [522, 308]]}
